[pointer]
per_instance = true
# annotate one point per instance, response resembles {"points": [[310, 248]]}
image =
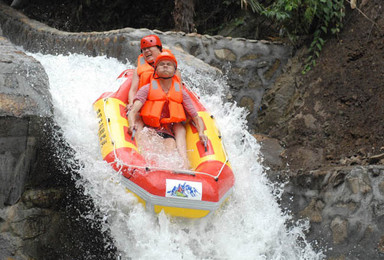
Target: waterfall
{"points": [[251, 225]]}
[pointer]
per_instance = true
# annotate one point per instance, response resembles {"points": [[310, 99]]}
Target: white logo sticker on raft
{"points": [[184, 189]]}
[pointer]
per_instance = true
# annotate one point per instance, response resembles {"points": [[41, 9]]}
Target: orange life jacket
{"points": [[145, 70], [153, 107]]}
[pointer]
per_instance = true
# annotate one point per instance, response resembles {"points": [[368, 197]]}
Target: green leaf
{"points": [[312, 44], [326, 10], [309, 59], [324, 29]]}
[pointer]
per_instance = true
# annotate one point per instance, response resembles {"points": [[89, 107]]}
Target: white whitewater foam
{"points": [[250, 226]]}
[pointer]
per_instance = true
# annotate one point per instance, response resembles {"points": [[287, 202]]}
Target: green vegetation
{"points": [[296, 18]]}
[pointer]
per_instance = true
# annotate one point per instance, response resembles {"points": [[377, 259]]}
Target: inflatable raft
{"points": [[182, 193]]}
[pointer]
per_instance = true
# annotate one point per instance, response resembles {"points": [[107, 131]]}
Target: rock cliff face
{"points": [[345, 208], [334, 176], [25, 106], [25, 103], [37, 195], [329, 125]]}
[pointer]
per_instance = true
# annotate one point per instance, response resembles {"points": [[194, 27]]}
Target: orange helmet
{"points": [[165, 56], [149, 41]]}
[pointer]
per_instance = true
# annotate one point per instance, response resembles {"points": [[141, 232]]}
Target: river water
{"points": [[250, 226]]}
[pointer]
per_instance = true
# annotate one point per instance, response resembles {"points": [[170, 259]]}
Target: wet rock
{"points": [[25, 103], [344, 206], [271, 151], [313, 211], [339, 230], [376, 158]]}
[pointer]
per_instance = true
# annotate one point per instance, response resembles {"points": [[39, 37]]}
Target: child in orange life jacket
{"points": [[163, 103]]}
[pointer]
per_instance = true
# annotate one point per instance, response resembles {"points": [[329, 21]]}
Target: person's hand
{"points": [[128, 107], [131, 129], [203, 139], [131, 123]]}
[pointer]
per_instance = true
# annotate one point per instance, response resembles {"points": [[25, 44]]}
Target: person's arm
{"points": [[200, 129], [138, 102], [134, 87], [132, 115], [190, 109]]}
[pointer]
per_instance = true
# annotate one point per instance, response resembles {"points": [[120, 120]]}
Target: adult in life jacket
{"points": [[164, 105], [150, 47]]}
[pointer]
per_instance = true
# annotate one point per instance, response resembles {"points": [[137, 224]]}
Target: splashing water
{"points": [[250, 226], [158, 155]]}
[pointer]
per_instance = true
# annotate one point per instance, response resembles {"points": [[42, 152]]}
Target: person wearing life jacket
{"points": [[150, 47], [164, 106]]}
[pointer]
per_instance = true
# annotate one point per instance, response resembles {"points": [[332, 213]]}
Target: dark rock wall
{"points": [[40, 207], [345, 207], [25, 102]]}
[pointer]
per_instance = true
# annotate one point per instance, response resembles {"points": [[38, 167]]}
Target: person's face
{"points": [[165, 68], [150, 54]]}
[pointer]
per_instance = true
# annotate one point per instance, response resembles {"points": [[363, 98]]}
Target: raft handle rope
{"points": [[179, 171]]}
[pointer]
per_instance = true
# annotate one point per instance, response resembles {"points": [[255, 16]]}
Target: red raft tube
{"points": [[181, 193]]}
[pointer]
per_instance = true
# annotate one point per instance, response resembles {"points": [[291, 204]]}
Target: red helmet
{"points": [[165, 56], [149, 41]]}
